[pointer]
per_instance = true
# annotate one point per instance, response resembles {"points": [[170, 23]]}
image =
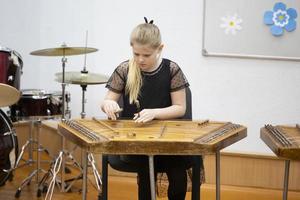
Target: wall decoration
{"points": [[280, 19], [245, 29], [231, 24]]}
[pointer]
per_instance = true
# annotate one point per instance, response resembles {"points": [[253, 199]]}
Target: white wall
{"points": [[250, 92]]}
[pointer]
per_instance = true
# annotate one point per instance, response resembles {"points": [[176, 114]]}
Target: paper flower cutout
{"points": [[281, 18], [231, 24]]}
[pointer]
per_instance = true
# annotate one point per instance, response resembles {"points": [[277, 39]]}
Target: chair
{"points": [[197, 160]]}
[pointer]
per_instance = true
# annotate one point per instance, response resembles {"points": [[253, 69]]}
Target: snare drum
{"points": [[37, 103], [10, 67]]}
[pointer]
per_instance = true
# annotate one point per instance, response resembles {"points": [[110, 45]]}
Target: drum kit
{"points": [[35, 105]]}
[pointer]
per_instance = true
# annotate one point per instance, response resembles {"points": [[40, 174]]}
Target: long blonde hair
{"points": [[143, 34]]}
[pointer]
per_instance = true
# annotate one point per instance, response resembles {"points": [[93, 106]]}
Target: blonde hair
{"points": [[143, 34]]}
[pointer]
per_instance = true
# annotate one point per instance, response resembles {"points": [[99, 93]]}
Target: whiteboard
{"points": [[254, 39]]}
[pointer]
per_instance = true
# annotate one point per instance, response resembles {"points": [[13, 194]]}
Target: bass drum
{"points": [[8, 148]]}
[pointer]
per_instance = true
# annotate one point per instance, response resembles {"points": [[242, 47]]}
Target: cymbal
{"points": [[8, 95], [81, 78], [64, 51]]}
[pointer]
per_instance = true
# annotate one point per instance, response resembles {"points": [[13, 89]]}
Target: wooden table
{"points": [[284, 141], [152, 138]]}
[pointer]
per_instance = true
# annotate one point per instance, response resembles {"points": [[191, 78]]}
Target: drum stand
{"points": [[28, 144], [59, 162], [39, 149]]}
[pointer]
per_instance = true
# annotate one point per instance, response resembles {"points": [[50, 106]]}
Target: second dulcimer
{"points": [[155, 137], [284, 141]]}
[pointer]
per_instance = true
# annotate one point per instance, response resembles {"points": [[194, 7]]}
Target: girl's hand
{"points": [[111, 108], [145, 115]]}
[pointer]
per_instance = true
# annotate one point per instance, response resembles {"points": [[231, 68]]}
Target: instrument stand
{"points": [[28, 144], [68, 111], [59, 162], [83, 114], [42, 187], [87, 158], [39, 149], [63, 84]]}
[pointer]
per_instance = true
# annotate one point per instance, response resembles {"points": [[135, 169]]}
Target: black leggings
{"points": [[174, 166]]}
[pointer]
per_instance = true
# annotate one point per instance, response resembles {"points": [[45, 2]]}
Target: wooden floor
{"points": [[124, 188]]}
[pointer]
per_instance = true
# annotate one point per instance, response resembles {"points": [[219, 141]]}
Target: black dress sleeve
{"points": [[117, 80], [178, 79]]}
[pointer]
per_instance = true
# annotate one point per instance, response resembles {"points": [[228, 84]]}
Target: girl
{"points": [[151, 87]]}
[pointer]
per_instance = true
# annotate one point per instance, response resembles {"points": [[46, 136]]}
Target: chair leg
{"points": [[196, 178], [104, 176]]}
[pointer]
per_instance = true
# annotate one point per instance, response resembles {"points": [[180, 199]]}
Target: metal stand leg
{"points": [[95, 172], [42, 186], [54, 171], [31, 141], [29, 144], [286, 179], [38, 169], [21, 155], [39, 149], [88, 158], [63, 164], [78, 177], [83, 114], [152, 179], [84, 174], [218, 175]]}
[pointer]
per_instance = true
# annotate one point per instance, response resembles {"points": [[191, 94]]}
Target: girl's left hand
{"points": [[145, 115]]}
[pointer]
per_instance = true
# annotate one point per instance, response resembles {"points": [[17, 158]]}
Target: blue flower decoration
{"points": [[281, 18]]}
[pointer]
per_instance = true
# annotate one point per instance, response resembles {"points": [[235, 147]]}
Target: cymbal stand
{"points": [[83, 100], [63, 84], [68, 110], [87, 158], [59, 161], [84, 71]]}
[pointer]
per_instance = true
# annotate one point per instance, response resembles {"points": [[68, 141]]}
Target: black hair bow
{"points": [[146, 21]]}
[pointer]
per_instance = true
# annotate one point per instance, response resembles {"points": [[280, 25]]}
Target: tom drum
{"points": [[37, 103], [10, 67]]}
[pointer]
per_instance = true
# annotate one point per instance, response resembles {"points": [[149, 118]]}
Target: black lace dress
{"points": [[156, 88]]}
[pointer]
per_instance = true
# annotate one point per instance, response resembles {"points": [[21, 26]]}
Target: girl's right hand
{"points": [[111, 108]]}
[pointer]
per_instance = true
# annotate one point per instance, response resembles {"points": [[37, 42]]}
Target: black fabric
{"points": [[174, 166], [155, 91], [117, 80], [156, 87]]}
